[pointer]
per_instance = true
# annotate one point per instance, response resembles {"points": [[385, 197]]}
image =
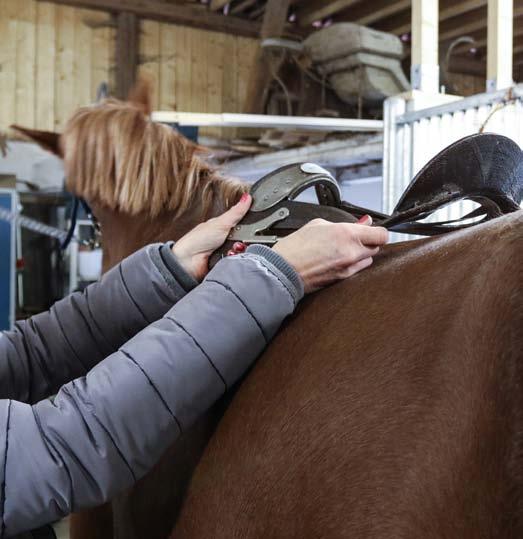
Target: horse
{"points": [[390, 405]]}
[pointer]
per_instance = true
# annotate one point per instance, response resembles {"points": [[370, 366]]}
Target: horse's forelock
{"points": [[116, 156]]}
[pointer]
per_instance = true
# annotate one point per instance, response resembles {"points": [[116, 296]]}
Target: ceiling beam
{"points": [[159, 10], [321, 9], [448, 10], [215, 5], [368, 13]]}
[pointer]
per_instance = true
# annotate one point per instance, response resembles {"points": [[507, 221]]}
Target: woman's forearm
{"points": [[104, 431], [56, 346]]}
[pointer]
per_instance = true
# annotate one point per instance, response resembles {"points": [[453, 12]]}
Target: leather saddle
{"points": [[485, 168]]}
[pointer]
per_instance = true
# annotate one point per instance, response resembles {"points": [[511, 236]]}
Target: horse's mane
{"points": [[117, 156]]}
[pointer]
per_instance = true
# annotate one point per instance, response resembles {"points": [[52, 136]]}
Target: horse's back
{"points": [[389, 407]]}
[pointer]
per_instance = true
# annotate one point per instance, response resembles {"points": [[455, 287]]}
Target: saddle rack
{"points": [[485, 168]]}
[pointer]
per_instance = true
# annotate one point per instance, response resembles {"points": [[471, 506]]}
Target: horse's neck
{"points": [[123, 234]]}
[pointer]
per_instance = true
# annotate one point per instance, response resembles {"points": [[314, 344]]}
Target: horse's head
{"points": [[144, 181]]}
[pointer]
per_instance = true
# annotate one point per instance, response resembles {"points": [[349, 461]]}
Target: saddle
{"points": [[485, 168]]}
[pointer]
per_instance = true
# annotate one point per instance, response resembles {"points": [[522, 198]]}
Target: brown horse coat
{"points": [[390, 406]]}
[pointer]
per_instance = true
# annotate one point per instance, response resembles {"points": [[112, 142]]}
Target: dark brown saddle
{"points": [[485, 168]]}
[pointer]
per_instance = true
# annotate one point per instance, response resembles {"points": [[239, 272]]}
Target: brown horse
{"points": [[402, 417]]}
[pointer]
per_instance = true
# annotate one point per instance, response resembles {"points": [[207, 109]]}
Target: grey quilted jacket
{"points": [[168, 356]]}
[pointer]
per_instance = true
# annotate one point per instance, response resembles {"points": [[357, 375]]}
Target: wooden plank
{"points": [[215, 5], [25, 62], [81, 59], [183, 68], [424, 52], [320, 9], [273, 25], [126, 52], [64, 78], [102, 52], [199, 45], [159, 10], [215, 68], [45, 66], [8, 24], [448, 10], [383, 12], [150, 56], [230, 101], [242, 6], [167, 67], [499, 47]]}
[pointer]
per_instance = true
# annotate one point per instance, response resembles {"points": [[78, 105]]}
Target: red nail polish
{"points": [[239, 247], [244, 197], [363, 219], [231, 253]]}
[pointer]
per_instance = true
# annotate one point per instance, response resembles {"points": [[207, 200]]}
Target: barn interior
{"points": [[368, 89]]}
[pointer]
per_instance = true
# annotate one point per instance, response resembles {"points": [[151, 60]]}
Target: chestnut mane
{"points": [[117, 156]]}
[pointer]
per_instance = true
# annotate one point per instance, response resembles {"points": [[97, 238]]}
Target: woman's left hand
{"points": [[194, 249]]}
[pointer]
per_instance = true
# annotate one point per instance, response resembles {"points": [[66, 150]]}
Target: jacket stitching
{"points": [[91, 409], [200, 348], [2, 533], [130, 295], [94, 321], [229, 289], [157, 391]]}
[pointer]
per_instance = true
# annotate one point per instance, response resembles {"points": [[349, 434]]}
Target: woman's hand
{"points": [[194, 249], [323, 253]]}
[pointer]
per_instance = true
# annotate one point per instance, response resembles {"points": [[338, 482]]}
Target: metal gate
{"points": [[418, 126]]}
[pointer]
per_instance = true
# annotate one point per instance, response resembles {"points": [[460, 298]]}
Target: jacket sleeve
{"points": [[54, 347], [104, 431]]}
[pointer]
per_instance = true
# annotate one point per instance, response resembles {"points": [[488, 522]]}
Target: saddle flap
{"points": [[289, 181], [482, 167]]}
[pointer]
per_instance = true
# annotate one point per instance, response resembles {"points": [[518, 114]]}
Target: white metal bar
{"points": [[266, 121], [499, 44], [464, 104]]}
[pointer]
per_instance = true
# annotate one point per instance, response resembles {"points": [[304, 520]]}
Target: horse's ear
{"points": [[141, 95], [45, 139]]}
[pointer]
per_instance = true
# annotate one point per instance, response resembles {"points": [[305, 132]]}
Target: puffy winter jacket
{"points": [[168, 356]]}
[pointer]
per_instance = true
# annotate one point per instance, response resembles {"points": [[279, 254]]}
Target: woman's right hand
{"points": [[323, 252]]}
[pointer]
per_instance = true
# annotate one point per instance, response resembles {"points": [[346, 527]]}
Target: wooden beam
{"points": [[242, 6], [320, 9], [127, 50], [424, 73], [379, 14], [499, 44], [273, 25], [159, 10], [448, 10], [215, 5]]}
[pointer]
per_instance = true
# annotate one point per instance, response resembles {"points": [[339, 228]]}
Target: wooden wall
{"points": [[52, 59]]}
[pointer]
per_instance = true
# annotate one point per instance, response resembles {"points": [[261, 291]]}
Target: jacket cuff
{"points": [[272, 258], [171, 270]]}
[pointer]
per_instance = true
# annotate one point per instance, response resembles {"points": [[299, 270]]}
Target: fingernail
{"points": [[230, 252], [239, 247], [364, 220], [244, 197]]}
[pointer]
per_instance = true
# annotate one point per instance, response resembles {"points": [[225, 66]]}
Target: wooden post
{"points": [[273, 25], [424, 71], [499, 44], [127, 46]]}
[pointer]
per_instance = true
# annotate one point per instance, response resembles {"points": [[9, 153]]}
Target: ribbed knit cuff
{"points": [[281, 265]]}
